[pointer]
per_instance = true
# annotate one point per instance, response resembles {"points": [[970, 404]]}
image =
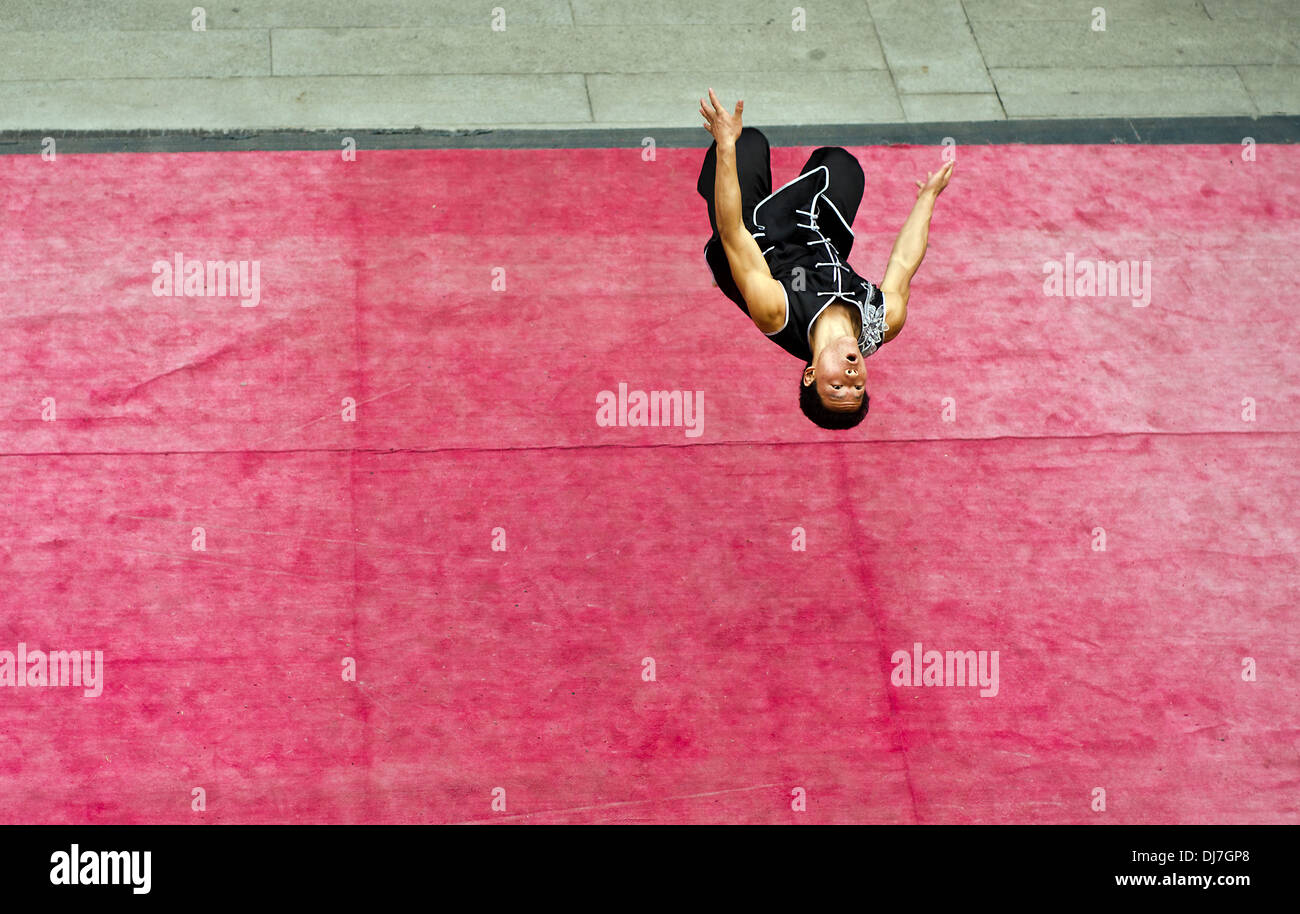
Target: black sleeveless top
{"points": [[805, 242]]}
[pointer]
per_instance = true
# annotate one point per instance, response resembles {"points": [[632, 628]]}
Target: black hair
{"points": [[811, 404]]}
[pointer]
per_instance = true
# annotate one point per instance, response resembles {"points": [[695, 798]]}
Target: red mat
{"points": [[523, 669]]}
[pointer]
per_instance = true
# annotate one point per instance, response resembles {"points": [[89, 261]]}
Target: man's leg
{"points": [[754, 171], [847, 183]]}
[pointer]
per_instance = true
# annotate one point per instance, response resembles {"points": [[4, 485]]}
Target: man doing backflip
{"points": [[782, 258]]}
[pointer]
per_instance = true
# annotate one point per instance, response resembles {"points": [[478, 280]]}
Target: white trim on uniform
{"points": [[839, 292], [838, 214], [826, 180]]}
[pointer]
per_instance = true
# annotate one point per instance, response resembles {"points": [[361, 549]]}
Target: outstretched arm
{"points": [[763, 295], [909, 249]]}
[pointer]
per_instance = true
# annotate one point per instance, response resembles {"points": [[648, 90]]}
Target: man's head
{"points": [[832, 390]]}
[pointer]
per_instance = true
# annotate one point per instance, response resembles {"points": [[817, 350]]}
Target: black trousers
{"points": [[754, 172]]}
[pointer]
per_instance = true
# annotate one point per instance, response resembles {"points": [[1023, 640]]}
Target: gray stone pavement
{"points": [[329, 64]]}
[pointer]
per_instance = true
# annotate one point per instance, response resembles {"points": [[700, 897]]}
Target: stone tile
{"points": [[1122, 92], [110, 55], [672, 99], [580, 49], [1136, 44], [715, 12], [921, 109], [932, 56], [1116, 10], [162, 15], [1253, 9], [323, 103], [921, 10], [1275, 90]]}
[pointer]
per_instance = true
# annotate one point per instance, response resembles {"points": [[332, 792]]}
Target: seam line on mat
{"points": [[470, 449]]}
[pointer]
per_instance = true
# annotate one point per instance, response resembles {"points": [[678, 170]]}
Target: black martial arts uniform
{"points": [[804, 231]]}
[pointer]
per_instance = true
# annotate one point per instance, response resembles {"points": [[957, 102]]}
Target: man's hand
{"points": [[724, 127], [935, 182]]}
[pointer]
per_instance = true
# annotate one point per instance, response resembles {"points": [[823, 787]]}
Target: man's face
{"points": [[841, 384]]}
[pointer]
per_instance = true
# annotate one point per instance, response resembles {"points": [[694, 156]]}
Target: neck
{"points": [[836, 321]]}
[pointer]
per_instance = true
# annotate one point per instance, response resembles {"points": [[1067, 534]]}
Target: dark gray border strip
{"points": [[1082, 131]]}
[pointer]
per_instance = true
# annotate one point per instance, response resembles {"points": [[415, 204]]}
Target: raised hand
{"points": [[935, 182], [724, 127]]}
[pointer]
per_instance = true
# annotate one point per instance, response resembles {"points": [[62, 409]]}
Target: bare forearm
{"points": [[726, 191], [763, 295], [914, 237]]}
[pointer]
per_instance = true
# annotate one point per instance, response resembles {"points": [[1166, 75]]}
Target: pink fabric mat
{"points": [[523, 669]]}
